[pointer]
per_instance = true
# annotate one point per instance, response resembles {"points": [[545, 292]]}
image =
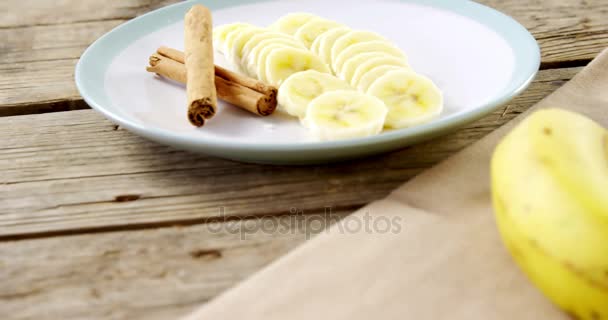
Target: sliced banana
{"points": [[351, 66], [236, 51], [368, 79], [309, 32], [282, 63], [231, 36], [326, 41], [302, 87], [252, 50], [352, 38], [345, 114], [290, 23], [366, 66], [411, 98], [221, 32], [353, 63], [262, 59], [235, 36], [314, 48], [267, 37], [364, 47]]}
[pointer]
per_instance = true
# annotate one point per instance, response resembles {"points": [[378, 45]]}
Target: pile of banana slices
{"points": [[341, 83]]}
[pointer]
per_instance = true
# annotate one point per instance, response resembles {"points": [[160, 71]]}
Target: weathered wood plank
{"points": [[66, 172], [45, 39], [569, 32], [36, 87], [42, 41], [26, 13], [150, 274], [37, 66]]}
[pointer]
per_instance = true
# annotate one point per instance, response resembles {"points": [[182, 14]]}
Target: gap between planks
{"points": [[164, 224]]}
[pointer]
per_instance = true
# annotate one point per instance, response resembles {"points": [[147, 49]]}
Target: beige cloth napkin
{"points": [[447, 262]]}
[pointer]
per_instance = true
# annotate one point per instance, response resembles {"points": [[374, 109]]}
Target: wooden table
{"points": [[98, 223]]}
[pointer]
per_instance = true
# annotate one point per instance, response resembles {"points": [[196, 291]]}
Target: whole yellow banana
{"points": [[550, 193]]}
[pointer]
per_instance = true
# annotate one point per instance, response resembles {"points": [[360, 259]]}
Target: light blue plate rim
{"points": [[91, 68]]}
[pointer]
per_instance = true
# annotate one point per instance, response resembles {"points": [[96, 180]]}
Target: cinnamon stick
{"points": [[200, 85], [167, 68], [253, 84], [229, 91]]}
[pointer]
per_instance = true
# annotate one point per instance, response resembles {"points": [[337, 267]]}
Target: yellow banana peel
{"points": [[550, 194]]}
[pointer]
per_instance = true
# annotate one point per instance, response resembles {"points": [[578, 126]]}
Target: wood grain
{"points": [[77, 174], [152, 274], [570, 32], [42, 41], [27, 13], [74, 172], [45, 38]]}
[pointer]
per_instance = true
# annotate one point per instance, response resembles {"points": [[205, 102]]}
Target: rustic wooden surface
{"points": [[74, 171], [148, 274], [96, 223]]}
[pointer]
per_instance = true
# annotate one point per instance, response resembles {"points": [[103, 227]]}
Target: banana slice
{"points": [[366, 66], [290, 23], [368, 79], [252, 49], [352, 38], [262, 59], [364, 47], [411, 98], [231, 36], [231, 40], [282, 63], [351, 66], [309, 32], [267, 37], [345, 114], [236, 51], [301, 88], [326, 41], [221, 32], [314, 48]]}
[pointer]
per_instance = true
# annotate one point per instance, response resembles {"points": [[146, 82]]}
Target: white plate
{"points": [[479, 58]]}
